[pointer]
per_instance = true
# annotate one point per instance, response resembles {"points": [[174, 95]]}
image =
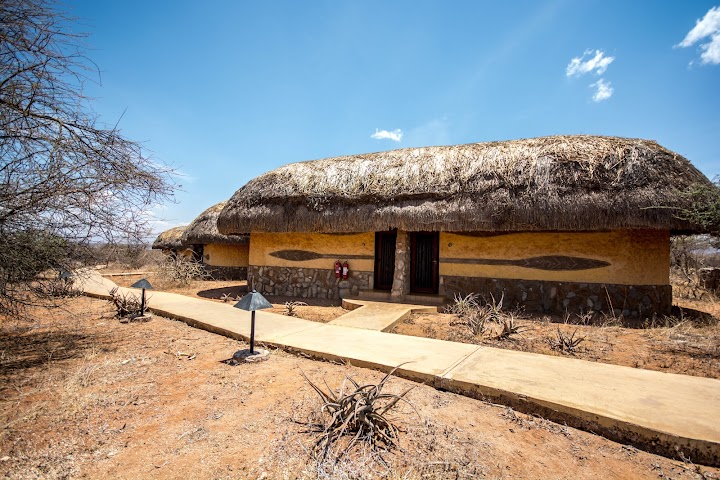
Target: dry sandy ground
{"points": [[85, 396], [315, 309], [690, 346]]}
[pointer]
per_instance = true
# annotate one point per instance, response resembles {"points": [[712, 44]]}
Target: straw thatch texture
{"points": [[170, 239], [577, 182], [203, 230]]}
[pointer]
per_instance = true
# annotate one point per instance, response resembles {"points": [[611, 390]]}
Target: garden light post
{"points": [[251, 302], [145, 285]]}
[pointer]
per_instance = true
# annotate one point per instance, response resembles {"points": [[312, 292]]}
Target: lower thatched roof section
{"points": [[170, 239], [203, 230], [578, 182]]}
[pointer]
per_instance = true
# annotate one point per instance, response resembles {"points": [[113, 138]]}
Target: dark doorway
{"points": [[424, 253], [384, 259]]}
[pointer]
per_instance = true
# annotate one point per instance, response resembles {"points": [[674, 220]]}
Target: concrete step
{"points": [[411, 298], [382, 295], [426, 299]]}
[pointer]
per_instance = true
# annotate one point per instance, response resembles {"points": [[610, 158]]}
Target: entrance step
{"points": [[372, 315], [411, 298], [381, 295], [426, 299]]}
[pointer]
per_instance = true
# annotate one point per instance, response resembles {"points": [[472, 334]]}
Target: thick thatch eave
{"points": [[578, 182], [203, 230], [170, 239]]}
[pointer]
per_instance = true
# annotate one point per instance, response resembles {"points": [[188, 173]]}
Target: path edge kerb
{"points": [[649, 439]]}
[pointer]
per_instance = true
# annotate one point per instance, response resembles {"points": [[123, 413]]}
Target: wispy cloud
{"points": [[396, 135], [593, 62], [596, 64], [603, 90], [708, 26]]}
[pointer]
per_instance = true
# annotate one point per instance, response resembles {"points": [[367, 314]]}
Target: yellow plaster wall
{"points": [[636, 257], [226, 255], [337, 246], [185, 253]]}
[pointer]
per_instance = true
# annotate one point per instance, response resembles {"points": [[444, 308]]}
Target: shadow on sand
{"points": [[216, 293]]}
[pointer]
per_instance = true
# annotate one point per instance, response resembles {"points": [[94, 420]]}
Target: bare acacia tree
{"points": [[66, 180], [705, 208]]}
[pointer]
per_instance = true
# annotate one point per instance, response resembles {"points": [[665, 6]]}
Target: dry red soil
{"points": [[690, 346], [85, 396]]}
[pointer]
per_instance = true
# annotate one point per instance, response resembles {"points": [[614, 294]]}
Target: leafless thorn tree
{"points": [[66, 179]]}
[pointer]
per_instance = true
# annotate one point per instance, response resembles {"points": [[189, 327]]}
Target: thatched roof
{"points": [[578, 182], [203, 230], [170, 239]]}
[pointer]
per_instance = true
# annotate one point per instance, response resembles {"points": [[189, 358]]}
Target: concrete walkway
{"points": [[125, 274], [378, 316], [660, 412]]}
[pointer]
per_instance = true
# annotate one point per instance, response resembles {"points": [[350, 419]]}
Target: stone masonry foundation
{"points": [[633, 303], [225, 273], [306, 282]]}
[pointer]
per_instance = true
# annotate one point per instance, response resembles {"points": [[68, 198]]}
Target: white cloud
{"points": [[603, 90], [598, 64], [396, 135], [708, 26]]}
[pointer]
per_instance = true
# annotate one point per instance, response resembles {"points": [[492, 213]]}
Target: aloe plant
{"points": [[291, 306], [357, 411], [510, 327], [566, 343]]}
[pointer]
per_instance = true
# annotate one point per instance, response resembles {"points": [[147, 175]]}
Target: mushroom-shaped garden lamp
{"points": [[251, 302], [145, 285]]}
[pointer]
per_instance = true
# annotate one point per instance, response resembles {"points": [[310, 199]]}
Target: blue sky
{"points": [[227, 90]]}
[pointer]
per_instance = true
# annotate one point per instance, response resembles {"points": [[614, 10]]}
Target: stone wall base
{"points": [[710, 278], [225, 273], [633, 303], [306, 282]]}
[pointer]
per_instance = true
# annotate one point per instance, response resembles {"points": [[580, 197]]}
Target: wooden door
{"points": [[384, 259], [424, 256]]}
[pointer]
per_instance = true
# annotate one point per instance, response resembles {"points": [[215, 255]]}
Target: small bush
{"points": [[462, 305], [57, 288], [227, 297], [357, 411], [566, 343], [494, 308], [475, 320], [181, 270], [583, 318], [291, 306], [690, 258], [474, 315], [510, 327], [126, 304]]}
